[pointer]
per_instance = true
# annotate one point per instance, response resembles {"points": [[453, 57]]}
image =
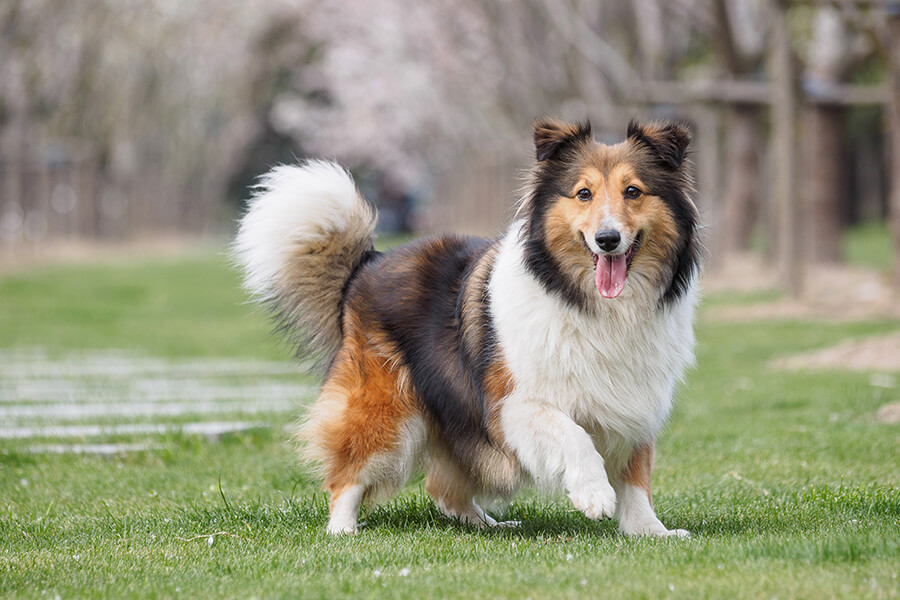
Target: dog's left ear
{"points": [[551, 135], [669, 141]]}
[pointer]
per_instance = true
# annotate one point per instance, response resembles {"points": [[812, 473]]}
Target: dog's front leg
{"points": [[555, 449], [635, 509]]}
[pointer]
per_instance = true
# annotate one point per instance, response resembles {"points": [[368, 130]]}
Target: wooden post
{"points": [[785, 194], [822, 176], [708, 168], [743, 187], [893, 10]]}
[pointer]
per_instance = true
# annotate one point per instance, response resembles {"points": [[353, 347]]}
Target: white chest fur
{"points": [[613, 372]]}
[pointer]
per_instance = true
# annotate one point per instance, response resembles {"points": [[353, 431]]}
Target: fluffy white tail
{"points": [[306, 230]]}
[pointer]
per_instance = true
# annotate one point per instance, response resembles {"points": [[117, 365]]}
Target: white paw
{"points": [[481, 519], [596, 500], [680, 533], [508, 524], [475, 520], [474, 515], [337, 528], [653, 530]]}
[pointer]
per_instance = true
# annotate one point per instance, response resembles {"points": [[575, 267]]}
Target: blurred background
{"points": [[135, 122]]}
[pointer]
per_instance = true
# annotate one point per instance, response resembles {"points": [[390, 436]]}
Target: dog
{"points": [[549, 356]]}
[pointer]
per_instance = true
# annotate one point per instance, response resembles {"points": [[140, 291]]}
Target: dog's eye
{"points": [[584, 194], [632, 192]]}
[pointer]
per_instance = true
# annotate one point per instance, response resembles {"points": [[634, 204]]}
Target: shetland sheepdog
{"points": [[549, 356]]}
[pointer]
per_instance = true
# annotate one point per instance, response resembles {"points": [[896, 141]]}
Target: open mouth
{"points": [[612, 269]]}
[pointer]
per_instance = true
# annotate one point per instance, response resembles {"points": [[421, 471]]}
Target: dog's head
{"points": [[602, 220]]}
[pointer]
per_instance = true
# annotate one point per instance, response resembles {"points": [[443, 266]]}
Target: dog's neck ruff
{"points": [[613, 368]]}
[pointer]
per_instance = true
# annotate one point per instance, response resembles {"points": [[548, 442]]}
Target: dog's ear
{"points": [[550, 135], [668, 141]]}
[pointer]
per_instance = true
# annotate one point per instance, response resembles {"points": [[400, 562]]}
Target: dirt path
{"points": [[831, 292], [881, 353]]}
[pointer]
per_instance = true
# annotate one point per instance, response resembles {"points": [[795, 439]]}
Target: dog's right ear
{"points": [[550, 135]]}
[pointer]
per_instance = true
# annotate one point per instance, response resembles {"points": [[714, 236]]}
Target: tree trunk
{"points": [[740, 198], [784, 144], [822, 141], [894, 115], [822, 182]]}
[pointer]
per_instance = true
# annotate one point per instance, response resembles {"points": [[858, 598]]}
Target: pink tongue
{"points": [[611, 275]]}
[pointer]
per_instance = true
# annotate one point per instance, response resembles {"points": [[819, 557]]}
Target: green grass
{"points": [[865, 245], [869, 245], [179, 307], [790, 487]]}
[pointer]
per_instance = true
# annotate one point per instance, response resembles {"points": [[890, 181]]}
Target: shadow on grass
{"points": [[18, 458], [791, 511], [536, 520], [812, 510]]}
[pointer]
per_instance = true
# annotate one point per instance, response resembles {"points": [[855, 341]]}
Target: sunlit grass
{"points": [[790, 487]]}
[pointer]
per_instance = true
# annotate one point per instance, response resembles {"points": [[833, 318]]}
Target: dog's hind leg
{"points": [[453, 492], [366, 431], [344, 509]]}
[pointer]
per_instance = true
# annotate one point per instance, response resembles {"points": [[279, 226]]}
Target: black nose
{"points": [[608, 240]]}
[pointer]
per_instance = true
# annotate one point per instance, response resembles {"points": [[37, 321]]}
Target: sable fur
{"points": [[305, 231], [490, 362]]}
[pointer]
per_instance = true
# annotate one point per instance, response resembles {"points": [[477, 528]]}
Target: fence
{"points": [[52, 194], [62, 191]]}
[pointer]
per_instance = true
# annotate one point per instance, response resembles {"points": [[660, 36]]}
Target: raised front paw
{"points": [[596, 500]]}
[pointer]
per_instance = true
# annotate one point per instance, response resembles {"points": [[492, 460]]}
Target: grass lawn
{"points": [[869, 245], [790, 487]]}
